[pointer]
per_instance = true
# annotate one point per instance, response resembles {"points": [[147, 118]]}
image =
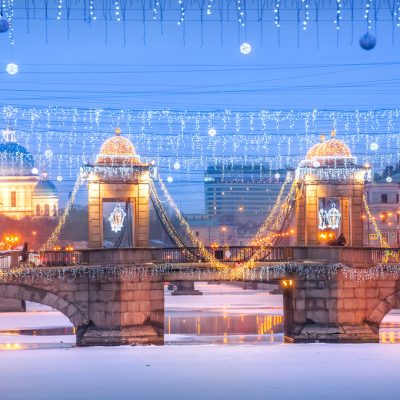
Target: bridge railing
{"points": [[354, 256]]}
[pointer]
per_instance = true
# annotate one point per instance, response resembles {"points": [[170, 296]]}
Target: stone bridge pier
{"points": [[104, 311], [337, 309]]}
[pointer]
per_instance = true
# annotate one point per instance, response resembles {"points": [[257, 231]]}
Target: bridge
{"points": [[116, 296]]}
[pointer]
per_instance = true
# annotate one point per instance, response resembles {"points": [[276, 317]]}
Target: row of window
{"points": [[46, 210]]}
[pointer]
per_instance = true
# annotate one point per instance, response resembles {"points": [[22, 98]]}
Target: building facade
{"points": [[23, 193], [383, 200], [241, 190]]}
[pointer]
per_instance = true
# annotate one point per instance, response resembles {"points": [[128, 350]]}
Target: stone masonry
{"points": [[338, 310]]}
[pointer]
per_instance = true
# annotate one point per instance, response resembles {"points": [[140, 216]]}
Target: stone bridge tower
{"points": [[331, 195], [121, 180]]}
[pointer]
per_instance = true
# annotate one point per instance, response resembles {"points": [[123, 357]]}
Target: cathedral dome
{"points": [[118, 149], [45, 188], [15, 160]]}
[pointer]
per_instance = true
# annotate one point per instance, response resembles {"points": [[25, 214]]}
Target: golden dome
{"points": [[331, 148], [117, 149]]}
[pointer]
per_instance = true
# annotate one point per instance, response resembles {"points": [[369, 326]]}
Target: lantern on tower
{"points": [[116, 218]]}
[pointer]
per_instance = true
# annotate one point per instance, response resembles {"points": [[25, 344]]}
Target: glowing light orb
{"points": [[245, 48], [12, 69], [59, 178], [170, 179], [177, 165], [212, 132], [34, 171], [277, 176], [389, 179], [374, 146]]}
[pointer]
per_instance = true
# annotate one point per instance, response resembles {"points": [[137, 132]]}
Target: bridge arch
{"points": [[41, 296], [378, 313]]}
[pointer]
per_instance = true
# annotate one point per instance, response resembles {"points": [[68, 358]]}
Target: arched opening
{"points": [[46, 210], [389, 328], [223, 313], [40, 326], [48, 318], [386, 317], [38, 210]]}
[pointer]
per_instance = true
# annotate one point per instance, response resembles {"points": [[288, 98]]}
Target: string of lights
{"points": [[54, 237]]}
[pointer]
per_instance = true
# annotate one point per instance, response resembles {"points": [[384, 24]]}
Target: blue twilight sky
{"points": [[86, 71]]}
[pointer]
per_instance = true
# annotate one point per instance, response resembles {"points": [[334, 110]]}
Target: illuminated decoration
{"points": [[52, 240], [328, 149], [212, 132], [329, 219], [277, 271], [59, 178], [12, 69], [170, 179], [35, 171], [118, 150], [277, 176], [389, 179], [48, 154], [177, 165], [245, 48], [372, 220], [240, 15], [374, 146], [116, 218]]}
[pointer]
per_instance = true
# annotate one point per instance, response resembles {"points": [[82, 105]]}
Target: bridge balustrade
{"points": [[353, 256]]}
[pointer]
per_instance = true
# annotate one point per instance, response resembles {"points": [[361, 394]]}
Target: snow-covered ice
{"points": [[190, 372]]}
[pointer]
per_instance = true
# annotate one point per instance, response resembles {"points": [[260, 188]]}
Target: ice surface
{"points": [[192, 372], [312, 371]]}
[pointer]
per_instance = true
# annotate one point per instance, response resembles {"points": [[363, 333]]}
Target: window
{"points": [[397, 197], [38, 210], [46, 210], [13, 199], [54, 210], [384, 198], [197, 234], [385, 237]]}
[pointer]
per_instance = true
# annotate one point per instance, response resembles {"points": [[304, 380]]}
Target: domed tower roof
{"points": [[329, 152], [45, 188], [15, 160], [117, 150]]}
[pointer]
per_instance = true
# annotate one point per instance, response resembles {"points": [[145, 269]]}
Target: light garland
{"points": [[260, 273], [52, 240], [374, 224]]}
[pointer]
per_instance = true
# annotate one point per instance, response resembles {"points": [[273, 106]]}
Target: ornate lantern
{"points": [[116, 218]]}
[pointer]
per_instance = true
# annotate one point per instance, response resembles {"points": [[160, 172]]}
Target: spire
{"points": [[9, 136]]}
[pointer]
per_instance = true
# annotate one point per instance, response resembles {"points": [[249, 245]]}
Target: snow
{"points": [[316, 371], [270, 369]]}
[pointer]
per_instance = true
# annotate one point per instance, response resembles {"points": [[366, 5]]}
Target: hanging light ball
{"points": [[170, 179], [48, 154], [374, 146], [59, 178], [245, 48], [367, 41], [389, 179], [212, 132], [277, 176], [177, 165], [34, 171], [12, 69], [4, 25]]}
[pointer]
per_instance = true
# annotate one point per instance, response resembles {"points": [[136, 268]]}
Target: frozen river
{"points": [[226, 344]]}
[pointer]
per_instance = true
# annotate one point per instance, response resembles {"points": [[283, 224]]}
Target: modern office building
{"points": [[241, 190]]}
